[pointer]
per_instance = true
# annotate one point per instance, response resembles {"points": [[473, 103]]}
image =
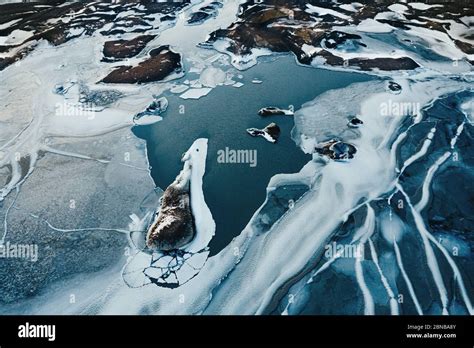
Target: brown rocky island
{"points": [[173, 227]]}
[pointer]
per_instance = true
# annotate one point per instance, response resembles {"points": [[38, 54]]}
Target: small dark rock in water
{"points": [[273, 111], [255, 132], [394, 87], [355, 122], [273, 130], [336, 150], [173, 228], [156, 108], [270, 132], [59, 89]]}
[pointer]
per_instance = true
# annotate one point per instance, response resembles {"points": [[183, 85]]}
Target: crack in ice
{"points": [[409, 284]]}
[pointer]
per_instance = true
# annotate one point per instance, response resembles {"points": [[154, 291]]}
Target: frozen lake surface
{"points": [[234, 191]]}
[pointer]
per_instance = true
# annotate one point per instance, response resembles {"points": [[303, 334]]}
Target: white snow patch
{"points": [[349, 7], [398, 8], [440, 43], [310, 50], [241, 62], [9, 24], [392, 228], [467, 20], [421, 6], [16, 37], [75, 31], [322, 11], [370, 25]]}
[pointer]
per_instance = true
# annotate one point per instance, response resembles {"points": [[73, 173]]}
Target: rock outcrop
{"points": [[161, 63], [355, 122], [336, 150], [270, 132], [121, 49], [274, 111], [173, 227]]}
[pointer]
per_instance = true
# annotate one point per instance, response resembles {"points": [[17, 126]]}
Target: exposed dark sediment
{"points": [[161, 63], [386, 64], [204, 13], [174, 224], [121, 49], [283, 26], [46, 20], [280, 26], [273, 130]]}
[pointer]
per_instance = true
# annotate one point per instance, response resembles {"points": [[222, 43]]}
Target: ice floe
{"points": [[196, 93], [212, 77]]}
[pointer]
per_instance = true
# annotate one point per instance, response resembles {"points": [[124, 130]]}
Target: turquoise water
{"points": [[234, 191]]}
